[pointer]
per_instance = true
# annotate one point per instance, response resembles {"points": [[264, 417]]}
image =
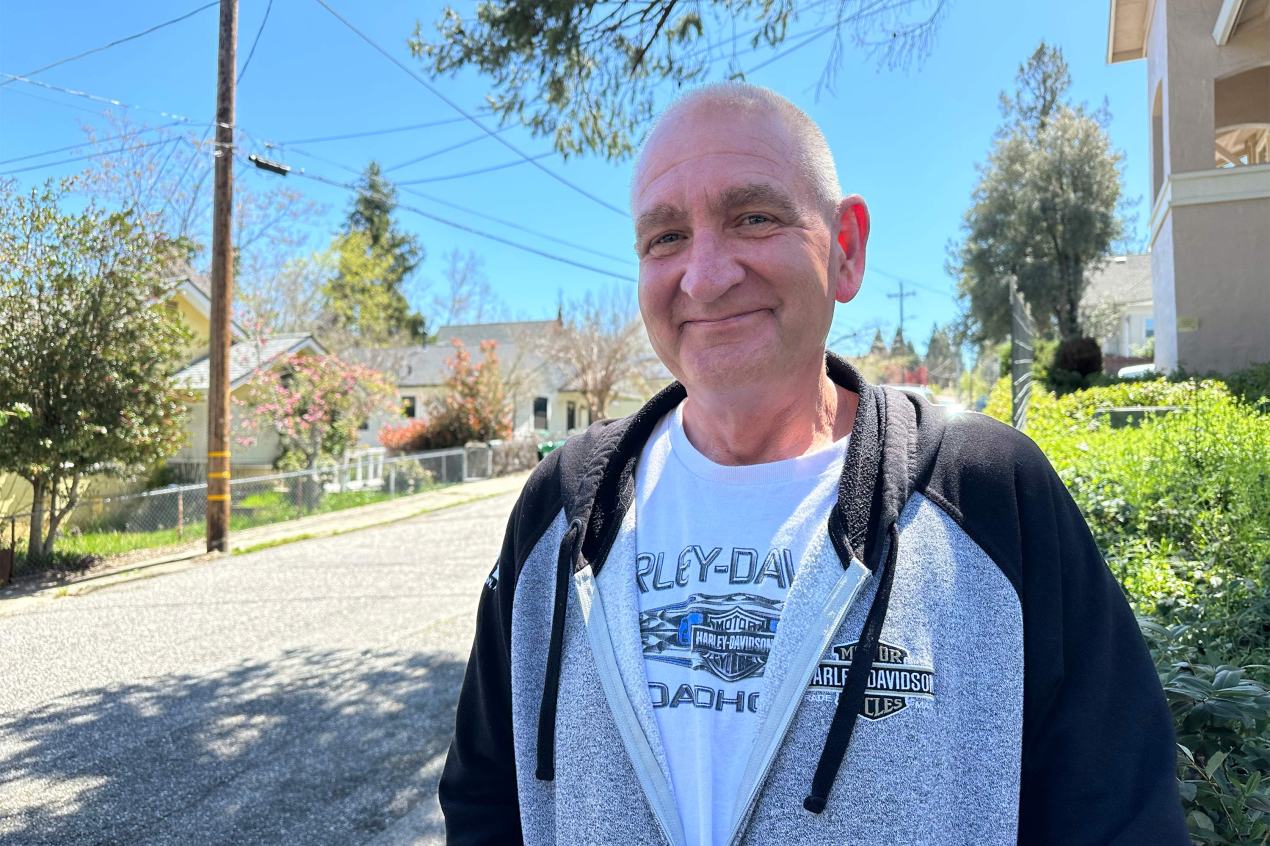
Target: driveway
{"points": [[300, 694]]}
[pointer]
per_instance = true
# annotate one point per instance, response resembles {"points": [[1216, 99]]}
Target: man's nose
{"points": [[711, 270]]}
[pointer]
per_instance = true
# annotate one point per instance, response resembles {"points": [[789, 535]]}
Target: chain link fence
{"points": [[175, 514]]}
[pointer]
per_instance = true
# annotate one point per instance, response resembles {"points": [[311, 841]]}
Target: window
{"points": [[540, 412], [365, 424], [570, 415], [1150, 327], [408, 406]]}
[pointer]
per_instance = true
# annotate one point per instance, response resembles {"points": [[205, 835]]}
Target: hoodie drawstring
{"points": [[851, 698], [569, 548]]}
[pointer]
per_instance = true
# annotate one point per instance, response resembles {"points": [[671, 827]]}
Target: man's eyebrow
{"points": [[757, 194], [659, 215]]}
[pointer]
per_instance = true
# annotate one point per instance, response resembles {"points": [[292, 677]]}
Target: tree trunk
{"points": [[56, 515], [34, 543]]}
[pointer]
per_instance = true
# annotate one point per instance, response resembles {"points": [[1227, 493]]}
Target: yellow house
{"points": [[192, 304], [246, 356]]}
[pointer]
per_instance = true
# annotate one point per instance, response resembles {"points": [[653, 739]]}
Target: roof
{"points": [[1122, 280], [471, 334], [246, 357], [1127, 30], [198, 290], [411, 365]]}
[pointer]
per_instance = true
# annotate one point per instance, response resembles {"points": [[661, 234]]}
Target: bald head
{"points": [[739, 101]]}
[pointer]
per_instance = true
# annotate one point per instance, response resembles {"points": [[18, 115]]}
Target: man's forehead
{"points": [[707, 129]]}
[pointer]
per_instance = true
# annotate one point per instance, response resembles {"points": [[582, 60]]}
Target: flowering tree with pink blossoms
{"points": [[315, 403]]}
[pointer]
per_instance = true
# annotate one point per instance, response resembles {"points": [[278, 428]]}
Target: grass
{"points": [[258, 509]]}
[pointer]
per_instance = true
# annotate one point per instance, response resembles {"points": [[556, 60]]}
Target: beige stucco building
{"points": [[1208, 84]]}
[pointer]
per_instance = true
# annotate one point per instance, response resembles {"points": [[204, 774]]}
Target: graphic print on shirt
{"points": [[891, 684], [729, 636]]}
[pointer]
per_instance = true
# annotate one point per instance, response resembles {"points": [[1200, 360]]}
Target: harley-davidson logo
{"points": [[891, 684], [729, 636]]}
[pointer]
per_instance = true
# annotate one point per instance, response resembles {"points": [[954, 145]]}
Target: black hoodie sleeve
{"points": [[1098, 757], [478, 785]]}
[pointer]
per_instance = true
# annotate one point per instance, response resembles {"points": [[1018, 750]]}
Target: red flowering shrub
{"points": [[474, 407]]}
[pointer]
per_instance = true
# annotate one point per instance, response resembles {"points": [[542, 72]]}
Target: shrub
{"points": [[1251, 384], [1221, 719], [475, 407], [1179, 503]]}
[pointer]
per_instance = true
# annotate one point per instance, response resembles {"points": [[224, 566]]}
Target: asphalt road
{"points": [[301, 694]]}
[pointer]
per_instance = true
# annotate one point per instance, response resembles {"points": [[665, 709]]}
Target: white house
{"points": [[544, 405]]}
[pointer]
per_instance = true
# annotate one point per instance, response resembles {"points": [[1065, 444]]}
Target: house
{"points": [[1208, 87], [246, 358], [544, 405], [247, 355], [192, 304], [1117, 308]]}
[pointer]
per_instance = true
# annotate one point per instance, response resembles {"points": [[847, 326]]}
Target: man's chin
{"points": [[724, 369]]}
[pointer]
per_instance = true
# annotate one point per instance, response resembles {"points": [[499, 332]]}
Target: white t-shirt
{"points": [[718, 547]]}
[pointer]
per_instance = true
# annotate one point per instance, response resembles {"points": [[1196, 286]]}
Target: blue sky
{"points": [[907, 140]]}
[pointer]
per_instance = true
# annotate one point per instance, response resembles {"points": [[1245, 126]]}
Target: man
{"points": [[779, 605]]}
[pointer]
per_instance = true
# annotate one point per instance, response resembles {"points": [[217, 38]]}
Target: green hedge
{"points": [[1178, 498]]}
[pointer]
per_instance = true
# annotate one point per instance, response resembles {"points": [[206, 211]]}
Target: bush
{"points": [[1251, 384], [475, 407], [1221, 719], [1179, 503]]}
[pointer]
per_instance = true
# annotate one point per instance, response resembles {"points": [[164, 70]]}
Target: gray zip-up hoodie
{"points": [[954, 664]]}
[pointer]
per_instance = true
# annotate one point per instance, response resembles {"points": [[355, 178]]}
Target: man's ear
{"points": [[853, 234]]}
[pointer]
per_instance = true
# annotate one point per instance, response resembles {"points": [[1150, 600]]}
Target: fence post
{"points": [[392, 480], [180, 513], [343, 471]]}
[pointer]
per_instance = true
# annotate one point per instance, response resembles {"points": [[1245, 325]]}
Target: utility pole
{"points": [[218, 500], [901, 296]]}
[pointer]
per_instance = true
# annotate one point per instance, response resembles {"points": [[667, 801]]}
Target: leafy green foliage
{"points": [[365, 301], [1222, 718], [584, 72], [87, 351], [1045, 208], [1251, 384], [1177, 494]]}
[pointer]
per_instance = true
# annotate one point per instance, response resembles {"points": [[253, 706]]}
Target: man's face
{"points": [[738, 266]]}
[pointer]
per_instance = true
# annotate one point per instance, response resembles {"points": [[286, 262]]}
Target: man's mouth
{"points": [[725, 320]]}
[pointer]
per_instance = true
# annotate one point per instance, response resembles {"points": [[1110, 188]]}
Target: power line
{"points": [[470, 230], [35, 96], [88, 156], [464, 143], [83, 144], [906, 281], [389, 130], [437, 93], [452, 205], [117, 41], [514, 225], [110, 101], [478, 171], [254, 42]]}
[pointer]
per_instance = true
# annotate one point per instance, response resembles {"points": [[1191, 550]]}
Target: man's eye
{"points": [[755, 218], [665, 238]]}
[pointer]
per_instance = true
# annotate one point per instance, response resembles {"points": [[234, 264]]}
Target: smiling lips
{"points": [[724, 321]]}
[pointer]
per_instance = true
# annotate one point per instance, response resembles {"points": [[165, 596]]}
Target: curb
{"points": [[277, 534]]}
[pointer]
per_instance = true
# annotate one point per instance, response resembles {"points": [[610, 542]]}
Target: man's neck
{"points": [[799, 417]]}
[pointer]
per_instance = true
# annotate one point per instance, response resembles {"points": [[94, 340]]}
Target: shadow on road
{"points": [[314, 747]]}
